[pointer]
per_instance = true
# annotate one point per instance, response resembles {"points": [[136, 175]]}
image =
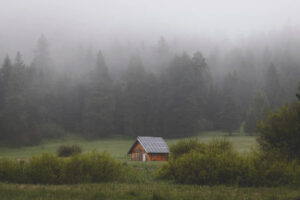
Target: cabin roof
{"points": [[152, 144]]}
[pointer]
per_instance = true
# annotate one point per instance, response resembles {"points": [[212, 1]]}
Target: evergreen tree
{"points": [[4, 77], [139, 100], [255, 112], [119, 126], [212, 108], [229, 116], [251, 120], [66, 107], [298, 95], [99, 104], [182, 93], [273, 89], [41, 59], [15, 121], [41, 81], [162, 55]]}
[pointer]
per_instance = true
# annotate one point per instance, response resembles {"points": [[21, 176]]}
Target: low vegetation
{"points": [[216, 162], [50, 169], [218, 159], [157, 191], [117, 147], [280, 132], [68, 150]]}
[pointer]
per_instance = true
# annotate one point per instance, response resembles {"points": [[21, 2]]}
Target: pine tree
{"points": [[139, 100], [4, 77], [273, 89], [162, 54], [229, 116], [99, 104], [15, 121], [256, 112], [298, 95], [183, 89], [41, 59]]}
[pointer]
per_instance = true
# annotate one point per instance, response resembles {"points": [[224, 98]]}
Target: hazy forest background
{"points": [[169, 87]]}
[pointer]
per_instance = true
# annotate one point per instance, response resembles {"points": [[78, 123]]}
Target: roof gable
{"points": [[152, 144]]}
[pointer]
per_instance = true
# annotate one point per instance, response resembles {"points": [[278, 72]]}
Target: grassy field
{"points": [[118, 148], [158, 191], [144, 186]]}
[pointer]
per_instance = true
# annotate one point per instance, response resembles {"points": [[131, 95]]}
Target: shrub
{"points": [[213, 163], [68, 150], [92, 167], [217, 163], [51, 169], [219, 146], [186, 146], [45, 169], [280, 132], [269, 170], [11, 170]]}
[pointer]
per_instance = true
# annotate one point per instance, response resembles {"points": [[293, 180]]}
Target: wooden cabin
{"points": [[149, 149]]}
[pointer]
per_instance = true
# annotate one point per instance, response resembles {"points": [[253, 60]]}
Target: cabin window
{"points": [[153, 156]]}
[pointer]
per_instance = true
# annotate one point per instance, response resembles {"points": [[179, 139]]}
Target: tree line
{"points": [[182, 98]]}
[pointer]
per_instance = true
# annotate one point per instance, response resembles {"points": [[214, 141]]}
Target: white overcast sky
{"points": [[149, 15], [22, 21]]}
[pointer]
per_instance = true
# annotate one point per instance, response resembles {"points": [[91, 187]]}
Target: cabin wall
{"points": [[137, 153], [159, 157]]}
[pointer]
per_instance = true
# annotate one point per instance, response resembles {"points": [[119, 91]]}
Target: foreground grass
{"points": [[159, 191], [118, 148]]}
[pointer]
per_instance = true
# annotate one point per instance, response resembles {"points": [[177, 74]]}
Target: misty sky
{"points": [[23, 21]]}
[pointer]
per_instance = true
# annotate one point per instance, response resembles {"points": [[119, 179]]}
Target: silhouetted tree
{"points": [[139, 99], [99, 104], [229, 116], [273, 89], [255, 112], [183, 87]]}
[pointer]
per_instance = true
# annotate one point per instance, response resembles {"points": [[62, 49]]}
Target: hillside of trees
{"points": [[154, 91]]}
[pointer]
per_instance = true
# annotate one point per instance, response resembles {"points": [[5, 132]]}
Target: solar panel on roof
{"points": [[154, 144]]}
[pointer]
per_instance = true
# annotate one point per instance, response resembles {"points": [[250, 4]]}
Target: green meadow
{"points": [[118, 148], [145, 186]]}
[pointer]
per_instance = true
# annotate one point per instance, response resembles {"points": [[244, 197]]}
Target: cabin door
{"points": [[144, 157]]}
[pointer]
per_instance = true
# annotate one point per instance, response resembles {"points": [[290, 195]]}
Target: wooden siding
{"points": [[138, 151], [158, 156]]}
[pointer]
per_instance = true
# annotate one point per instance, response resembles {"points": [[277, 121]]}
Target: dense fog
{"points": [[190, 25], [168, 68]]}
